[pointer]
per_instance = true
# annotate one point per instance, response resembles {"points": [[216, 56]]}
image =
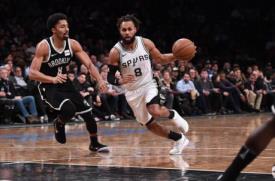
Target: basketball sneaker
{"points": [[99, 148], [223, 178], [180, 122], [273, 109], [273, 171], [179, 146], [59, 131]]}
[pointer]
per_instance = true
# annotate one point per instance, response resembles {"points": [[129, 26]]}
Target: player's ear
{"points": [[53, 30], [136, 29]]}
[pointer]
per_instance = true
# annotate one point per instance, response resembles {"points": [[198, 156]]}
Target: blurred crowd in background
{"points": [[233, 71]]}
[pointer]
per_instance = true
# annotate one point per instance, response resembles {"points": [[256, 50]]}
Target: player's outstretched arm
{"points": [[157, 56], [85, 59], [41, 53]]}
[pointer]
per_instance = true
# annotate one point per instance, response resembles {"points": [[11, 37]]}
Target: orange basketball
{"points": [[184, 49]]}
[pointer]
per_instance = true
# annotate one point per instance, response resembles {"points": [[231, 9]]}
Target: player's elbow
{"points": [[32, 74], [160, 59]]}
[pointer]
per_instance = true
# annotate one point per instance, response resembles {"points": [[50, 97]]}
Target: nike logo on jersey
{"points": [[53, 54], [123, 55]]}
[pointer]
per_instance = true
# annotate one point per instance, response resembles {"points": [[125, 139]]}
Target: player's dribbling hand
{"points": [[60, 78], [102, 86], [128, 78]]}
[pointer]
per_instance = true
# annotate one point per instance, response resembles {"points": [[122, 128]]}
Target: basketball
{"points": [[184, 49]]}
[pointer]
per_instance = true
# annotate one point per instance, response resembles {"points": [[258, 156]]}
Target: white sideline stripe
{"points": [[123, 166]]}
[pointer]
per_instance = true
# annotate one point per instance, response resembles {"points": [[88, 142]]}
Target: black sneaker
{"points": [[220, 178], [223, 178], [99, 148], [59, 131]]}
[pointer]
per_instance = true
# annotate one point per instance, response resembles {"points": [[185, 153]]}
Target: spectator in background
{"points": [[211, 96], [208, 67], [187, 87], [25, 104], [254, 91], [175, 75], [109, 99], [269, 82], [248, 71], [71, 75], [215, 69], [84, 88], [20, 83], [227, 68], [187, 94], [95, 61], [231, 92], [167, 89]]}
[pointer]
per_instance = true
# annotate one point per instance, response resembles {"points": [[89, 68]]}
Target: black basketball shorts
{"points": [[55, 95]]}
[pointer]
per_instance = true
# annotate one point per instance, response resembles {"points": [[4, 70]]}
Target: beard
{"points": [[128, 41]]}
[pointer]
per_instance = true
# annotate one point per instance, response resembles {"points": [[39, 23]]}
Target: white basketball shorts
{"points": [[137, 99]]}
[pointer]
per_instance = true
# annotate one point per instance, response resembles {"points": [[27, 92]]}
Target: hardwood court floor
{"points": [[214, 141]]}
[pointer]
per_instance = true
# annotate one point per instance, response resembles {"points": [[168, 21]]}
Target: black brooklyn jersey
{"points": [[57, 60]]}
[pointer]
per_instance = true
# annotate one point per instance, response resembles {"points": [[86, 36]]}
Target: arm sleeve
{"points": [[111, 75]]}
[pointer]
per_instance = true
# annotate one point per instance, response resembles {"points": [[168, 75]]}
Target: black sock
{"points": [[243, 158], [174, 136], [94, 140], [171, 115]]}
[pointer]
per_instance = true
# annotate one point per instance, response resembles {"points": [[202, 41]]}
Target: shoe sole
{"points": [[101, 150]]}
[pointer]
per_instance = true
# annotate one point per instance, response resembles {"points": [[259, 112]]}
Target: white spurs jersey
{"points": [[136, 62]]}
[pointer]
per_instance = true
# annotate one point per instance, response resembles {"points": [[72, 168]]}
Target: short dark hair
{"points": [[54, 18], [128, 17]]}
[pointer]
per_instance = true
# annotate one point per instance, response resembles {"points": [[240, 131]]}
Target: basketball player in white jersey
{"points": [[131, 56]]}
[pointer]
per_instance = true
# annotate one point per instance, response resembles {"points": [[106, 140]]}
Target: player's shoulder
{"points": [[73, 41], [114, 56], [42, 46], [75, 45], [144, 38], [148, 43], [115, 51]]}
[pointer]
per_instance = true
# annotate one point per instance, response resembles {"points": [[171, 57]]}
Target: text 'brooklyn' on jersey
{"points": [[136, 62], [57, 60]]}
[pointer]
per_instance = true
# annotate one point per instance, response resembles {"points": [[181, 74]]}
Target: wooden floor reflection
{"points": [[214, 143]]}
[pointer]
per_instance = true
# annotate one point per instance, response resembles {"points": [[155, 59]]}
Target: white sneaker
{"points": [[180, 122], [273, 109], [179, 146]]}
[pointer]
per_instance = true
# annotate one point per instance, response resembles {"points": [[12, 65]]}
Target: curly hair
{"points": [[129, 17]]}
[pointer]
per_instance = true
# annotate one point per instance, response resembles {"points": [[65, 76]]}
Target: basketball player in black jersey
{"points": [[253, 146], [48, 67]]}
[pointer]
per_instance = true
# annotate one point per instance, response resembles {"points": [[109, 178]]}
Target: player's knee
{"points": [[67, 111]]}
